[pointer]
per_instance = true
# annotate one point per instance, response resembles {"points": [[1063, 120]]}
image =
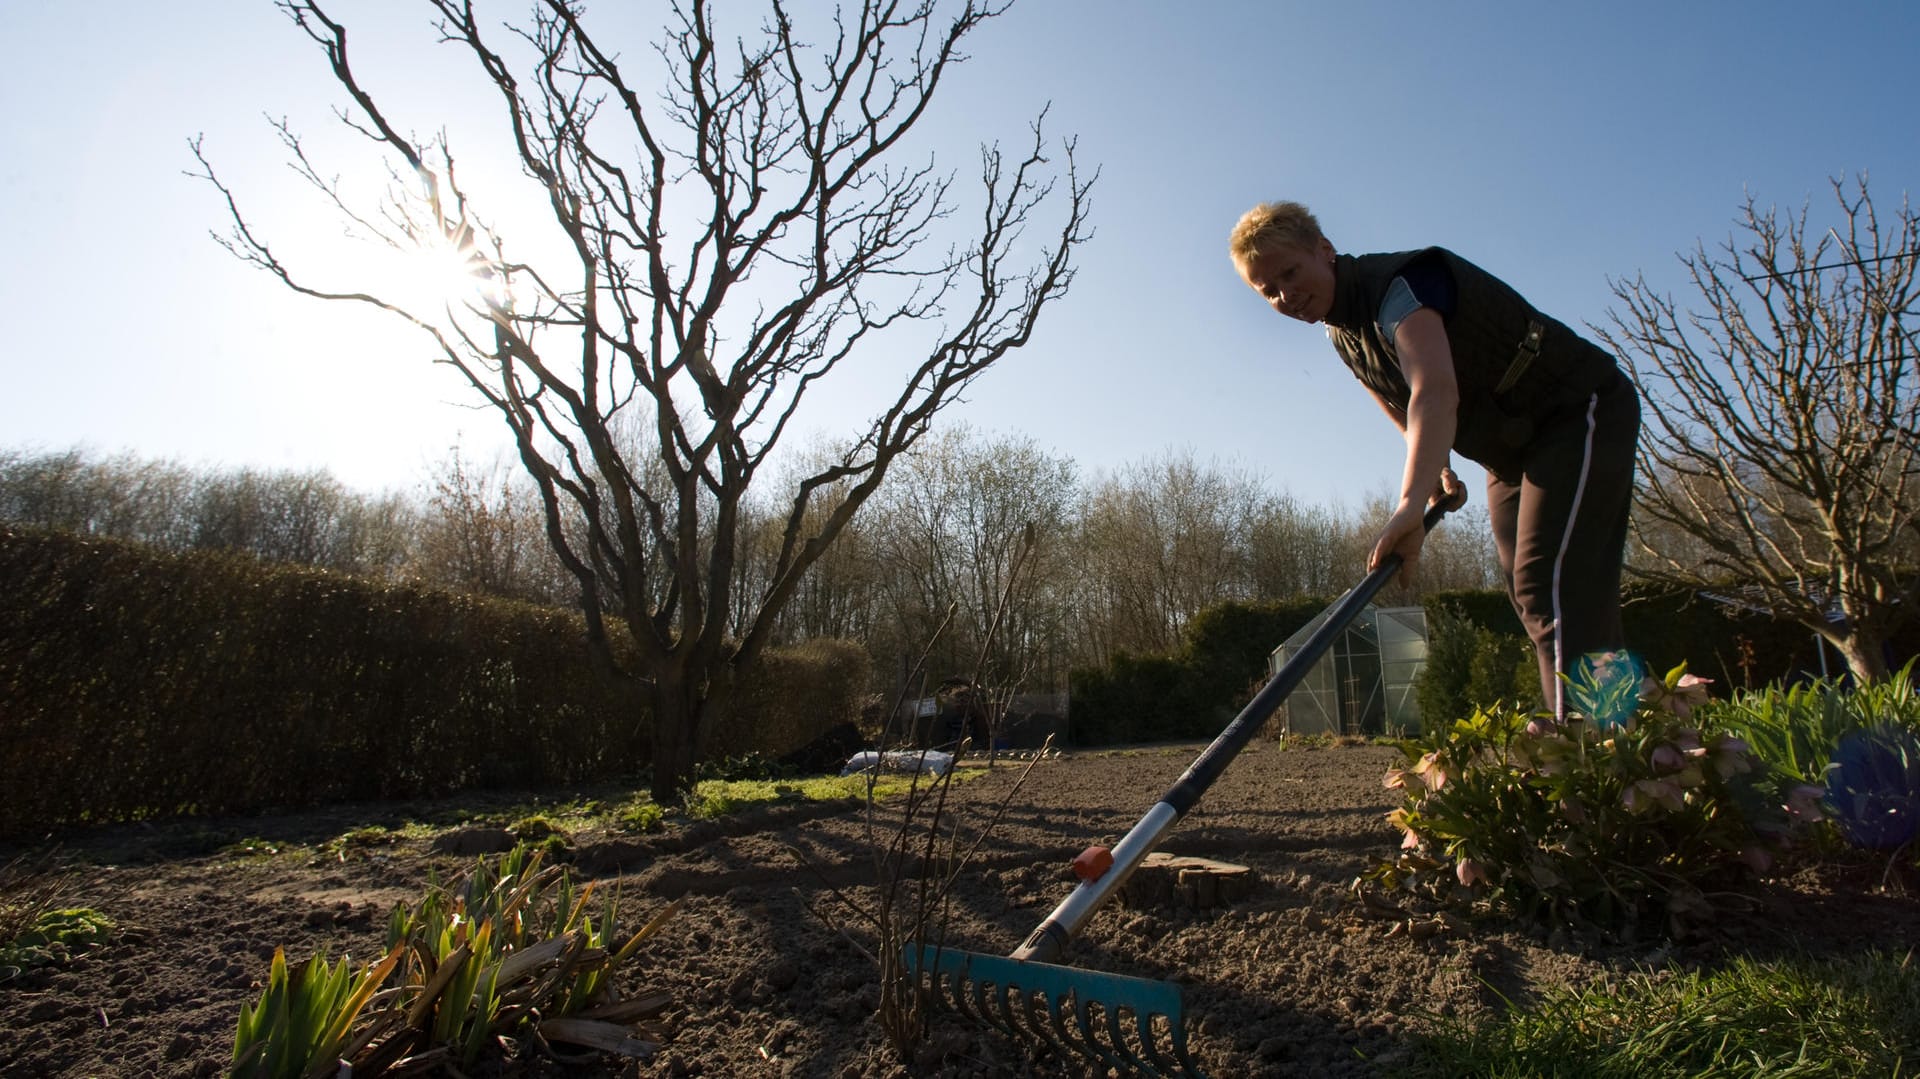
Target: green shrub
{"points": [[1227, 645], [1623, 828], [1441, 688], [140, 684], [301, 1024], [1862, 743], [1134, 699], [1470, 667], [1799, 727], [645, 816], [1667, 626], [53, 937]]}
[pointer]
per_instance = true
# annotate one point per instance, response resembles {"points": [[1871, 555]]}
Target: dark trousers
{"points": [[1561, 531]]}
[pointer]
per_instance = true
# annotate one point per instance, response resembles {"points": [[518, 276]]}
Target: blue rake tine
{"points": [[971, 995], [1054, 1028], [1180, 1062], [966, 976], [1115, 1051], [1040, 1018], [996, 1014]]}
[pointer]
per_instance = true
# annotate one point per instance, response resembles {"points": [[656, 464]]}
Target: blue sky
{"points": [[1557, 145]]}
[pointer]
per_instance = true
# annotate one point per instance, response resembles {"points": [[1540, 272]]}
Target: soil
{"points": [[1295, 977]]}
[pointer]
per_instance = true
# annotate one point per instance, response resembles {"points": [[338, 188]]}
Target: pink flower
{"points": [[1429, 769], [1652, 690], [1803, 803], [1688, 692], [1552, 755], [1395, 779], [1469, 871], [1693, 689], [1601, 666], [1757, 858], [1402, 820], [1670, 796], [1668, 759], [1642, 795], [1731, 756]]}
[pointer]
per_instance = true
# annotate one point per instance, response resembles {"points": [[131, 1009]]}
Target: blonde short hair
{"points": [[1272, 225]]}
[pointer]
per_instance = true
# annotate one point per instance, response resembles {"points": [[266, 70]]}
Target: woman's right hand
{"points": [[1449, 492]]}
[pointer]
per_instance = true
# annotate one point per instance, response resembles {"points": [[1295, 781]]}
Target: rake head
{"points": [[1105, 1019]]}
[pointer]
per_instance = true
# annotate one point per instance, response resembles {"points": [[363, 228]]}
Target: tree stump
{"points": [[1166, 880]]}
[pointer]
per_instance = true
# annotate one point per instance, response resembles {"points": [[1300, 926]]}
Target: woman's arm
{"points": [[1426, 360], [1393, 411]]}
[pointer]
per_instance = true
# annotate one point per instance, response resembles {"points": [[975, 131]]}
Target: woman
{"points": [[1460, 362]]}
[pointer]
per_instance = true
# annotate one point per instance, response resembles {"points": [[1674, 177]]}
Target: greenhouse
{"points": [[1364, 685]]}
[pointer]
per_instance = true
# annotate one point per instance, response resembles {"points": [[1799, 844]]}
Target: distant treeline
{"points": [[1162, 588], [1124, 561]]}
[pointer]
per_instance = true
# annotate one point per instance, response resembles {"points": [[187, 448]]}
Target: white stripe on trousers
{"points": [[1559, 559]]}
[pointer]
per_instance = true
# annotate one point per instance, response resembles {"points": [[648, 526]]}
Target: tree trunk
{"points": [[1866, 656], [677, 709]]}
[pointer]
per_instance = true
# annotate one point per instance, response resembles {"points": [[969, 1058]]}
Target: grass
{"points": [[719, 797], [1320, 740], [545, 820], [1850, 1016]]}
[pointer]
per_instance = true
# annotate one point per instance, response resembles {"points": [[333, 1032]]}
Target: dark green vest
{"points": [[1515, 366]]}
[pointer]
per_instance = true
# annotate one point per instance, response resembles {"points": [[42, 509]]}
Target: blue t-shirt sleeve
{"points": [[1424, 282]]}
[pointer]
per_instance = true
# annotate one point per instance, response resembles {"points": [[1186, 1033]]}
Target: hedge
{"points": [[796, 695], [1195, 692], [1668, 626], [136, 684]]}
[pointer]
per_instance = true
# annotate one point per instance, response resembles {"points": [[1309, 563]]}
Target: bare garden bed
{"points": [[1295, 976]]}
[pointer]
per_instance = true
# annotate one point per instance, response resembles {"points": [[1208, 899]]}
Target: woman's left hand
{"points": [[1449, 492]]}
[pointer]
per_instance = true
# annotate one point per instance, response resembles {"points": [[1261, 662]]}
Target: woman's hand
{"points": [[1406, 530], [1405, 533], [1449, 492]]}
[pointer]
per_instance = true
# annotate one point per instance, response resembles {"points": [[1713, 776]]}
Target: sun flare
{"points": [[456, 276]]}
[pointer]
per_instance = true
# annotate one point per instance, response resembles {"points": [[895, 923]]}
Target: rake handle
{"points": [[1047, 942]]}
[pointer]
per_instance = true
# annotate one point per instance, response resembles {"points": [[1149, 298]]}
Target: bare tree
{"points": [[1159, 541], [950, 533], [837, 597], [732, 237], [1781, 431], [480, 531]]}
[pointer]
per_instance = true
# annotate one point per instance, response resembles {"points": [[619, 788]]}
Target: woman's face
{"points": [[1297, 281]]}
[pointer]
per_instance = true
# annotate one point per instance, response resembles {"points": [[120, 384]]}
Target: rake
{"points": [[1113, 1020]]}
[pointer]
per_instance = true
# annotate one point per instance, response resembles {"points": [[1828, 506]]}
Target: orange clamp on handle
{"points": [[1092, 862]]}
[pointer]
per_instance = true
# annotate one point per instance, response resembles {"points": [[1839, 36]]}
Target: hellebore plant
{"points": [[1634, 814]]}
